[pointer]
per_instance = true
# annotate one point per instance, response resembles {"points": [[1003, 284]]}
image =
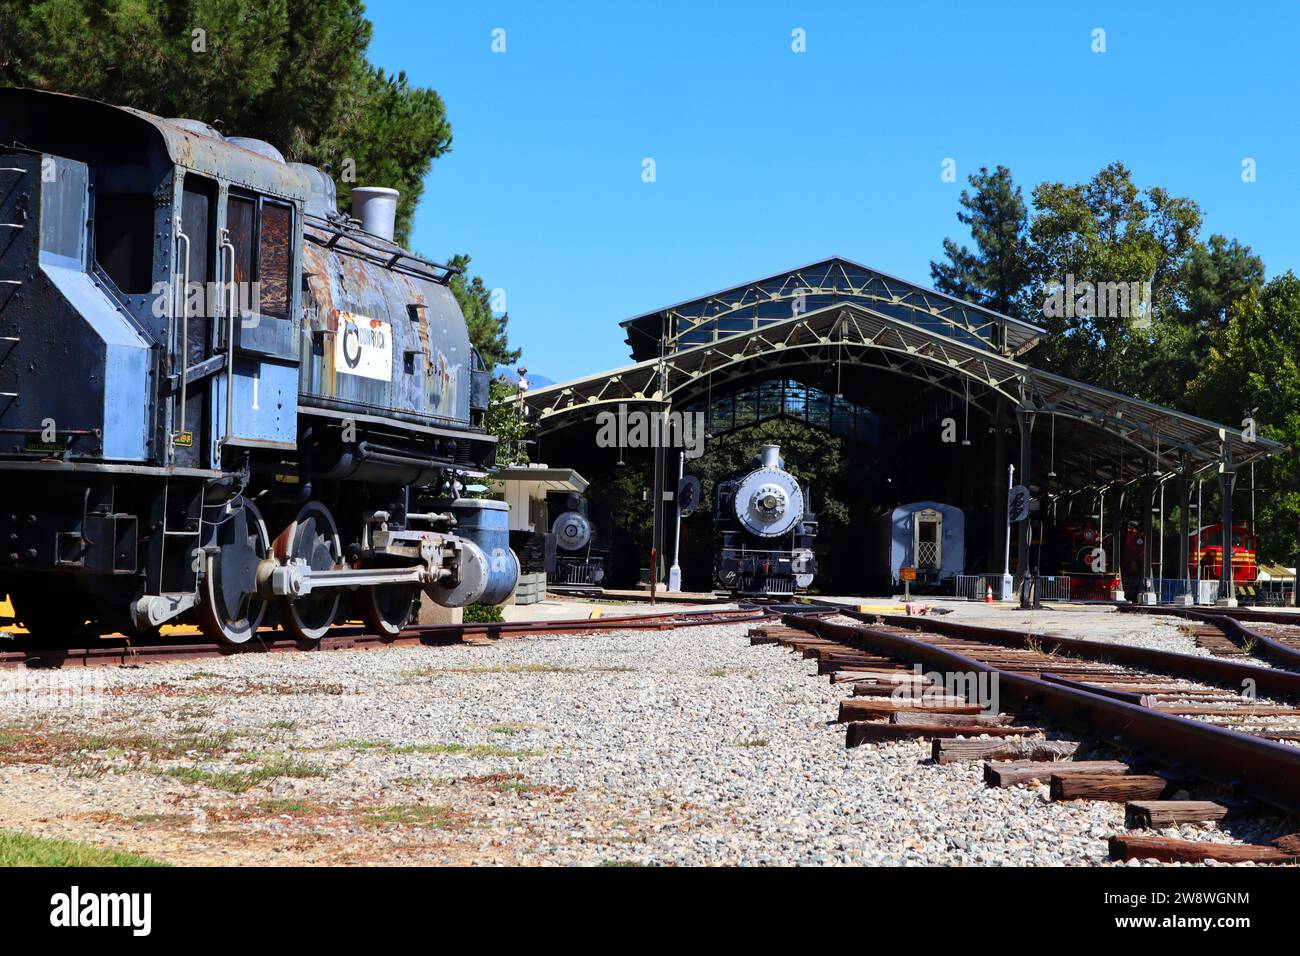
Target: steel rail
{"points": [[350, 637], [1216, 670], [1266, 770], [1231, 622]]}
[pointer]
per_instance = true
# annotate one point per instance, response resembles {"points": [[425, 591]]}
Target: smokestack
{"points": [[376, 207], [770, 456]]}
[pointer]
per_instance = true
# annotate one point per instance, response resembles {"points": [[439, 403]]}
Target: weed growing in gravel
{"points": [[753, 742], [387, 747], [283, 725], [160, 819], [414, 815], [241, 781], [292, 808], [65, 748]]}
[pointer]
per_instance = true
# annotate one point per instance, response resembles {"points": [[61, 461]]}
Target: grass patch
{"points": [[20, 849], [413, 815], [63, 748], [283, 725], [159, 819], [292, 808], [388, 748], [472, 750], [241, 781]]}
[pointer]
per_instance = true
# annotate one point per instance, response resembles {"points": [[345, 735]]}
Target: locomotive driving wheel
{"points": [[312, 537], [387, 608], [230, 609]]}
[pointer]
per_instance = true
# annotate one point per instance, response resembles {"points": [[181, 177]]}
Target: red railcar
{"points": [[1075, 549], [1207, 553]]}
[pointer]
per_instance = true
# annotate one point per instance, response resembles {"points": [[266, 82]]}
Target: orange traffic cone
{"points": [[988, 594]]}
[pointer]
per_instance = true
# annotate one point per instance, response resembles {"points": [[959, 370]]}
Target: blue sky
{"points": [[767, 159]]}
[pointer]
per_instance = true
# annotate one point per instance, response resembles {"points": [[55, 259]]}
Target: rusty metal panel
{"points": [[417, 321]]}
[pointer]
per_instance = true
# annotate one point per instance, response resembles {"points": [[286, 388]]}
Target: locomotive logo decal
{"points": [[363, 346]]}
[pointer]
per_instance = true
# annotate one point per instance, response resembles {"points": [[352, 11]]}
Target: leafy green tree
{"points": [[487, 332], [292, 72], [996, 273], [1107, 230], [505, 421], [1253, 370]]}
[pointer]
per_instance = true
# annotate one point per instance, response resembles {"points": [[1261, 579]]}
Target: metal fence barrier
{"points": [[1054, 587], [1178, 590], [974, 586], [1276, 593]]}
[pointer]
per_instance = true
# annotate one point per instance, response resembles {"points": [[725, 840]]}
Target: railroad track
{"points": [[1161, 722], [1239, 632], [117, 651]]}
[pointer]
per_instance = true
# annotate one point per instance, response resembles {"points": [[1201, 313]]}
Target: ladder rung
{"points": [[12, 225], [13, 169]]}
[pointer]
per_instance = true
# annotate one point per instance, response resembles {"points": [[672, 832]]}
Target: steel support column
{"points": [[1026, 423], [1148, 593], [999, 495], [1184, 534], [1227, 479]]}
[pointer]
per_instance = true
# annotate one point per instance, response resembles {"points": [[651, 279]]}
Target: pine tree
{"points": [[291, 72]]}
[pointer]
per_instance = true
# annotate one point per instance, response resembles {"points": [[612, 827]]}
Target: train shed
{"points": [[944, 392]]}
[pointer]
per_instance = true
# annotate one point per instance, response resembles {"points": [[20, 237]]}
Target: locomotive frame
{"points": [[223, 401]]}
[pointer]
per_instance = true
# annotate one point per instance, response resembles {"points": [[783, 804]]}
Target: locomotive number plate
{"points": [[364, 346]]}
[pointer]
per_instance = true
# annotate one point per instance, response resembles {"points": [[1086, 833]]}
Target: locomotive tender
{"points": [[764, 530], [220, 399]]}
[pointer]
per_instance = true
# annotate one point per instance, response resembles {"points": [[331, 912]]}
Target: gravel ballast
{"points": [[682, 747]]}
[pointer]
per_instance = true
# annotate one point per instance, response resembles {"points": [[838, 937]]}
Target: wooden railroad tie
{"points": [[864, 708], [948, 750], [1116, 789], [1011, 773], [878, 731], [925, 718], [1127, 847], [1152, 814]]}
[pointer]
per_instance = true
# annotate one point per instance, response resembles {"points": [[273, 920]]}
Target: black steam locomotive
{"points": [[580, 544], [764, 530], [220, 400]]}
